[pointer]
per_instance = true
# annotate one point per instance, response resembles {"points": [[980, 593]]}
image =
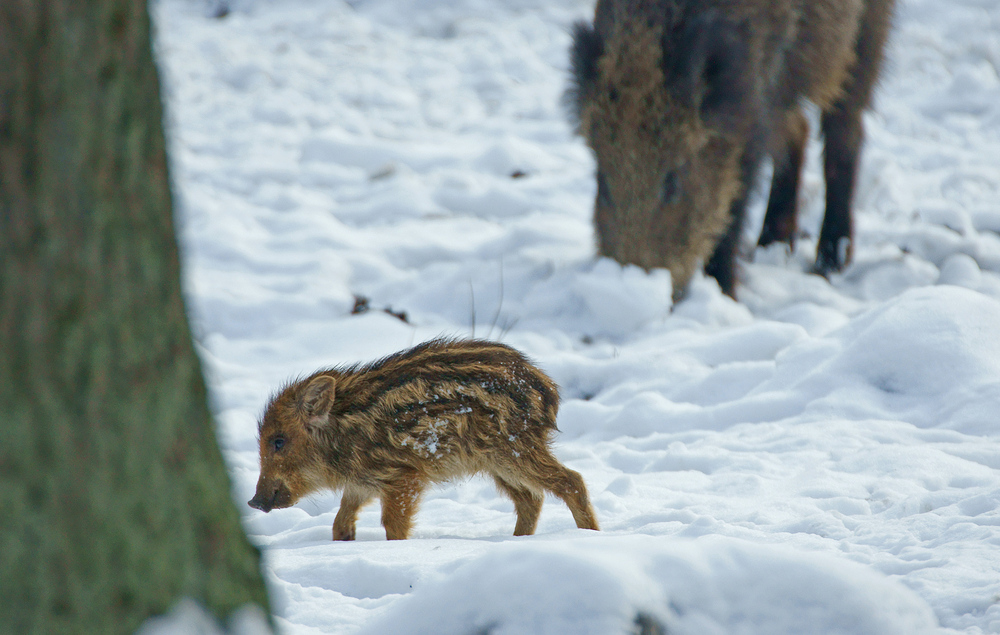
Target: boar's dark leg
{"points": [[399, 504], [722, 265], [843, 134], [780, 221], [347, 516], [527, 504]]}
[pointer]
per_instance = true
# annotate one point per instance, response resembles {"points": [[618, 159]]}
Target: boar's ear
{"points": [[588, 46], [711, 67], [317, 398], [587, 49]]}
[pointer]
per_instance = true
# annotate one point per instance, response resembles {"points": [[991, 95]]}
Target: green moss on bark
{"points": [[116, 500]]}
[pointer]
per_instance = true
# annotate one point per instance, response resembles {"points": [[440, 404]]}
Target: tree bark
{"points": [[114, 499]]}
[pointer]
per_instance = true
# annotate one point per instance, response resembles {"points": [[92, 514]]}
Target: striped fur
{"points": [[441, 410]]}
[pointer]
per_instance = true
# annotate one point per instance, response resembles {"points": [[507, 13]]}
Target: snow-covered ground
{"points": [[819, 457]]}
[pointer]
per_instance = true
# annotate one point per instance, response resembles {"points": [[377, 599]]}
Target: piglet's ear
{"points": [[317, 399]]}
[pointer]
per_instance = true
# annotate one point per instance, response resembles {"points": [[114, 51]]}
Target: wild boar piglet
{"points": [[439, 411]]}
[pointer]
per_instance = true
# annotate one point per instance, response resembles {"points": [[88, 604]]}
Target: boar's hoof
{"points": [[832, 259]]}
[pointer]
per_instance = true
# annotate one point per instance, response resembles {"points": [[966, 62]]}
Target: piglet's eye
{"points": [[278, 442]]}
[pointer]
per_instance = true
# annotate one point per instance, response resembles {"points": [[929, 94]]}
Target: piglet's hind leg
{"points": [[568, 485]]}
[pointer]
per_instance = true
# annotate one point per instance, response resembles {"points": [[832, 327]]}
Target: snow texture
{"points": [[705, 587], [819, 457]]}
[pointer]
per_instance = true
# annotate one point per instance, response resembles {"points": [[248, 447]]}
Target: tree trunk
{"points": [[114, 499]]}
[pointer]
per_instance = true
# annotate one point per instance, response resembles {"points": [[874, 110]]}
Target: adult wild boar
{"points": [[680, 100]]}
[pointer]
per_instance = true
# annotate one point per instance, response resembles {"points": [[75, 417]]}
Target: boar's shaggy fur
{"points": [[680, 100], [441, 410]]}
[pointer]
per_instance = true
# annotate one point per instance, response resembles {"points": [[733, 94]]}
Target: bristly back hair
{"points": [[352, 372]]}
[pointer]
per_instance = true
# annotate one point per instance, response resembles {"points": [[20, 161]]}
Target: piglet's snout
{"points": [[257, 503], [271, 494]]}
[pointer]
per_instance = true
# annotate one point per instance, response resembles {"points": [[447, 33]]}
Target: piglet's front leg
{"points": [[400, 499], [347, 517]]}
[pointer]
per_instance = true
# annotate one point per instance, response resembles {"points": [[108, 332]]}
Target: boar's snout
{"points": [[270, 496]]}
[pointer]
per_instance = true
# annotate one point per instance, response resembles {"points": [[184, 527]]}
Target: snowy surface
{"points": [[819, 457]]}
